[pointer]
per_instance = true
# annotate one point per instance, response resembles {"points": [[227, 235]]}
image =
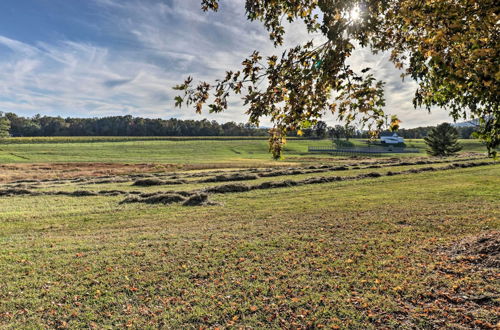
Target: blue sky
{"points": [[90, 58]]}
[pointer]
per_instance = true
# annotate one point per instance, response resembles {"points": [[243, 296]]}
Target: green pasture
{"points": [[192, 151]]}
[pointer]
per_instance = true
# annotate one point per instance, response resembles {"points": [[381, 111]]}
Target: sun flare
{"points": [[355, 14]]}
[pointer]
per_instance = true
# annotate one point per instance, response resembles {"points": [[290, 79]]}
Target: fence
{"points": [[362, 151]]}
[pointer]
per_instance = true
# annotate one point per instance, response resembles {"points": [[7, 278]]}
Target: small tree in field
{"points": [[443, 141], [320, 129]]}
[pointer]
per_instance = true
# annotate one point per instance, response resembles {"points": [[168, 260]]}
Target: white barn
{"points": [[392, 139]]}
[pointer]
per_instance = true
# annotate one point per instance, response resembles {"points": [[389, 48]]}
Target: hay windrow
{"points": [[198, 200], [274, 173], [370, 175], [17, 192], [77, 193], [185, 193], [161, 198], [112, 192], [83, 193], [148, 182], [233, 177], [228, 188], [181, 196], [239, 175], [157, 182]]}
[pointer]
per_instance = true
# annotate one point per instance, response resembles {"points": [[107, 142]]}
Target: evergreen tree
{"points": [[442, 141]]}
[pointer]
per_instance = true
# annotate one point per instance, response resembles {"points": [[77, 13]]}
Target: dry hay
{"points": [[317, 180], [186, 198], [148, 182], [255, 173], [482, 250], [159, 198], [35, 173], [228, 188], [106, 181], [17, 192], [184, 193], [76, 193], [112, 192], [231, 177], [278, 184], [156, 182], [82, 193], [369, 175], [165, 199], [391, 173], [70, 170], [274, 173], [198, 200]]}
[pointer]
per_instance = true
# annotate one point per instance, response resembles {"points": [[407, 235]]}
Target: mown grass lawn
{"points": [[236, 152], [357, 254]]}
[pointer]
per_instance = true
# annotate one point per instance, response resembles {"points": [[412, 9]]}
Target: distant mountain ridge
{"points": [[469, 123]]}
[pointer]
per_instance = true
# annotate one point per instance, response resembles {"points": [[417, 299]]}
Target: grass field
{"points": [[193, 151], [365, 253]]}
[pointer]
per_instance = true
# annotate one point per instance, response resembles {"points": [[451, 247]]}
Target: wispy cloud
{"points": [[144, 48]]}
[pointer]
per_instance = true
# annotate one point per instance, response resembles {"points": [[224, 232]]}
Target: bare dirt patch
{"points": [[482, 250], [14, 172]]}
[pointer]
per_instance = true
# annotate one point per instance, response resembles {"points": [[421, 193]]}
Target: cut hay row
{"points": [[160, 197], [226, 175], [256, 174], [187, 199], [233, 187], [157, 182], [106, 179], [230, 188], [78, 193]]}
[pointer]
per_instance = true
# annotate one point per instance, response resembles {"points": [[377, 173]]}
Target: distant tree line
{"points": [[14, 125], [321, 130], [4, 126], [422, 132], [124, 126]]}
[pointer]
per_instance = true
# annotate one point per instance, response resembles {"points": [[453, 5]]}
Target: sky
{"points": [[93, 58]]}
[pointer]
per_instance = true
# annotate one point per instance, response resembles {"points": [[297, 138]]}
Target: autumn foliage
{"points": [[450, 48]]}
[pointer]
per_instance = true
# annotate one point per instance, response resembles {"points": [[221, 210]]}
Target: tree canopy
{"points": [[449, 47], [123, 126], [4, 126]]}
